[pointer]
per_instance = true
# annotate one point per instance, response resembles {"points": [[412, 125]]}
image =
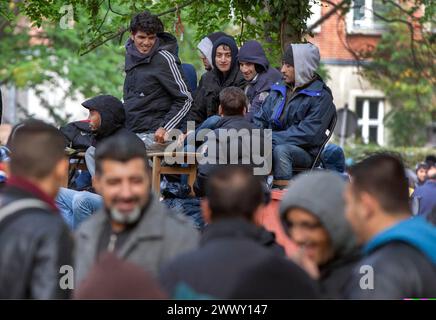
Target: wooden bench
{"points": [[158, 168]]}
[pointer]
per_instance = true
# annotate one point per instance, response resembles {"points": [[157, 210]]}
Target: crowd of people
{"points": [[368, 233]]}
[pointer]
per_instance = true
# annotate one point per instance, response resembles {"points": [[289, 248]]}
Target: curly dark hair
{"points": [[146, 22]]}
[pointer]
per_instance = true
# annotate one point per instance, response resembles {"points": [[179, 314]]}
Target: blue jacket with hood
{"points": [[299, 116], [403, 260], [258, 88]]}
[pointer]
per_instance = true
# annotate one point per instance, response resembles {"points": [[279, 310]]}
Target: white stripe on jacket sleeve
{"points": [[182, 87]]}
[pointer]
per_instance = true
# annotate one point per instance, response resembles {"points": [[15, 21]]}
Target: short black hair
{"points": [[121, 147], [233, 191], [430, 160], [36, 147], [233, 101], [383, 175], [146, 22]]}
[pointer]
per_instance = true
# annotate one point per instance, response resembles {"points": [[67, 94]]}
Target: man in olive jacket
{"points": [[132, 224]]}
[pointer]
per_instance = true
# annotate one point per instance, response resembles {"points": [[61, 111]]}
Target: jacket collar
{"points": [[415, 231], [28, 186], [230, 228], [313, 89], [151, 226]]}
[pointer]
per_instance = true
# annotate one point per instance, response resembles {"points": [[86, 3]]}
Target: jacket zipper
{"points": [[112, 241]]}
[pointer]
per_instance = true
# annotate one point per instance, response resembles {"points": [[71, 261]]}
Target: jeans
{"points": [[189, 207], [287, 156], [90, 160], [76, 206], [209, 123]]}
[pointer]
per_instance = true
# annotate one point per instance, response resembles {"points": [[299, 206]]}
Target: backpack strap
{"points": [[19, 205]]}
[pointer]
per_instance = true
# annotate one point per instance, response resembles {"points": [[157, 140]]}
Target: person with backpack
{"points": [[34, 241]]}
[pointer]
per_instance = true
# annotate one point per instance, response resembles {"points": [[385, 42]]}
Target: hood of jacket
{"points": [[306, 62], [164, 41], [206, 44], [253, 52], [234, 67], [415, 231], [321, 194], [111, 112]]}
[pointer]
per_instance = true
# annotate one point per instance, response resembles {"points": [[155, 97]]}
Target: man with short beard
{"points": [[132, 224]]}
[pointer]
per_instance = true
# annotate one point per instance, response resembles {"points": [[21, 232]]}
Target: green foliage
{"points": [[101, 25], [405, 71], [410, 155]]}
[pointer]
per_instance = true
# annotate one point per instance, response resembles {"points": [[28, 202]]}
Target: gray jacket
{"points": [[158, 237]]}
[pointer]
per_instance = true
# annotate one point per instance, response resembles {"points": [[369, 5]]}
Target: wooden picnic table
{"points": [[160, 167]]}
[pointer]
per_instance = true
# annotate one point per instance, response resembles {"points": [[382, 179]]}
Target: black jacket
{"points": [[112, 116], [232, 263], [334, 275], [245, 151], [34, 244], [206, 100], [155, 90]]}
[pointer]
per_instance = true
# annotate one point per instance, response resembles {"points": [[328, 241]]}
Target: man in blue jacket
{"points": [[399, 251], [298, 110]]}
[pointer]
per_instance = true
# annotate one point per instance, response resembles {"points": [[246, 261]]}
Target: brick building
{"points": [[339, 38]]}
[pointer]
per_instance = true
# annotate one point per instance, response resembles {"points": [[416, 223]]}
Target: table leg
{"points": [[191, 177], [156, 175]]}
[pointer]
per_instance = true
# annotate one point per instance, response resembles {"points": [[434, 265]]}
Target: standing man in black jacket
{"points": [[400, 251], [156, 96], [233, 260], [34, 241]]}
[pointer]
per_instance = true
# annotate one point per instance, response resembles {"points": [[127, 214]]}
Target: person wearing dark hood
{"points": [[106, 118], [312, 212], [256, 71], [233, 253], [205, 47], [399, 253], [225, 73], [299, 111], [156, 96]]}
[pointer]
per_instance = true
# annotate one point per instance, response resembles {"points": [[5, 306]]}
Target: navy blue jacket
{"points": [[426, 195], [226, 123], [258, 88], [303, 120]]}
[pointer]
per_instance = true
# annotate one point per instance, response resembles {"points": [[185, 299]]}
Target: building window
{"points": [[362, 18], [315, 8], [370, 112]]}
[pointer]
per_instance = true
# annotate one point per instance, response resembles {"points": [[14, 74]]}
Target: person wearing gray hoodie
{"points": [[299, 111], [312, 213]]}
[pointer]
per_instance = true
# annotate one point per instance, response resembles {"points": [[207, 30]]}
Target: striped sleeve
{"points": [[171, 78]]}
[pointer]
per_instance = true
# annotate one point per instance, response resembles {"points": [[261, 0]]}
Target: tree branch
{"points": [[123, 30], [111, 9], [336, 7]]}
